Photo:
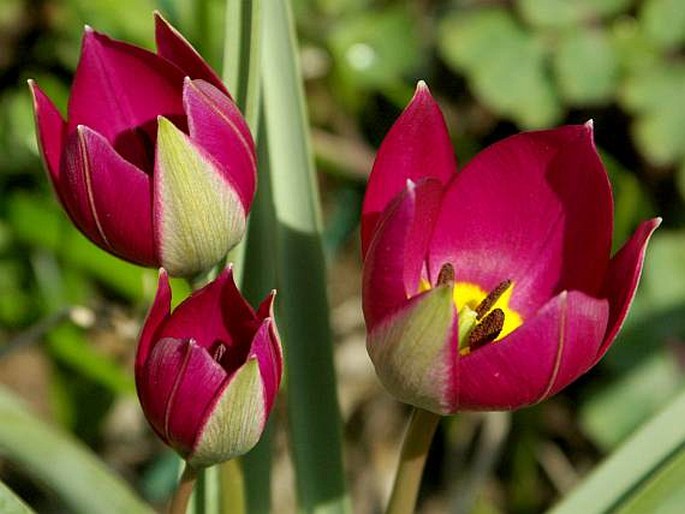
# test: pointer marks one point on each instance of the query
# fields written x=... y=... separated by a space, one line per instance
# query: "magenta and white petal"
x=216 y=124
x=534 y=208
x=622 y=279
x=545 y=354
x=394 y=263
x=118 y=87
x=125 y=225
x=417 y=146
x=175 y=48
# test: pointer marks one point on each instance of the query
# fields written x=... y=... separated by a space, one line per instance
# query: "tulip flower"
x=207 y=373
x=492 y=287
x=155 y=163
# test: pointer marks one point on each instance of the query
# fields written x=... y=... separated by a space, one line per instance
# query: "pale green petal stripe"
x=202 y=217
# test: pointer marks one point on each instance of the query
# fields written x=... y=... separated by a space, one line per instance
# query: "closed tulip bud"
x=207 y=374
x=154 y=164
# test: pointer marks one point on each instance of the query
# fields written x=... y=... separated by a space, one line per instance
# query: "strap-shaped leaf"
x=54 y=458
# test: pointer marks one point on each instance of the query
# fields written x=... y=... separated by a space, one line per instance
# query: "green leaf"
x=629 y=471
x=566 y=13
x=124 y=19
x=610 y=415
x=375 y=49
x=586 y=67
x=663 y=21
x=40 y=224
x=506 y=66
x=10 y=503
x=657 y=97
x=662 y=494
x=315 y=425
x=54 y=458
x=68 y=345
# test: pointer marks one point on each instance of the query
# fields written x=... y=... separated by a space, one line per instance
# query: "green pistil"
x=468 y=318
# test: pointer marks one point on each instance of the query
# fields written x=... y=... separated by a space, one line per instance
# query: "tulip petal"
x=394 y=263
x=183 y=383
x=119 y=87
x=236 y=420
x=266 y=348
x=535 y=208
x=417 y=146
x=156 y=316
x=225 y=316
x=622 y=278
x=215 y=124
x=51 y=137
x=198 y=215
x=174 y=47
x=108 y=179
x=545 y=354
x=414 y=349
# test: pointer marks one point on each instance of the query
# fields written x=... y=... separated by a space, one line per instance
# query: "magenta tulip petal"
x=266 y=311
x=109 y=178
x=119 y=87
x=622 y=278
x=269 y=359
x=158 y=314
x=545 y=354
x=186 y=379
x=216 y=304
x=174 y=47
x=77 y=190
x=417 y=146
x=51 y=136
x=394 y=261
x=522 y=210
x=215 y=124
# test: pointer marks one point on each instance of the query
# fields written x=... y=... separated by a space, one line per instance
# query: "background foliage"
x=69 y=314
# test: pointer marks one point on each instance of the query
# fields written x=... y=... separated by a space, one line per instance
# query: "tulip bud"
x=154 y=164
x=207 y=373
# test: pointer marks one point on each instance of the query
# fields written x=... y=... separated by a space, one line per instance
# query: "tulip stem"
x=417 y=441
x=179 y=503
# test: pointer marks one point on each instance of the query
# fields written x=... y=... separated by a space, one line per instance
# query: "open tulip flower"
x=207 y=374
x=493 y=287
x=155 y=163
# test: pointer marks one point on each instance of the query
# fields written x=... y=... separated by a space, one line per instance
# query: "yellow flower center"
x=483 y=317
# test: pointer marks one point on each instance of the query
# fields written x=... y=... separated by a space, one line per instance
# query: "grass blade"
x=623 y=475
x=313 y=411
x=79 y=478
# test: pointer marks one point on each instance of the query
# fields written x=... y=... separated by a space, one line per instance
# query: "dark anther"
x=218 y=351
x=487 y=330
x=446 y=275
x=491 y=299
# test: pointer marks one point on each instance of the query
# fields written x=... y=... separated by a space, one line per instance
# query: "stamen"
x=446 y=275
x=487 y=330
x=492 y=297
x=218 y=351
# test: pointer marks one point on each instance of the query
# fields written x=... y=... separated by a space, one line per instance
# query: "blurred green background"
x=69 y=314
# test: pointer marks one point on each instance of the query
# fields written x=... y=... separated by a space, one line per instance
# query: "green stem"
x=417 y=441
x=179 y=503
x=231 y=486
